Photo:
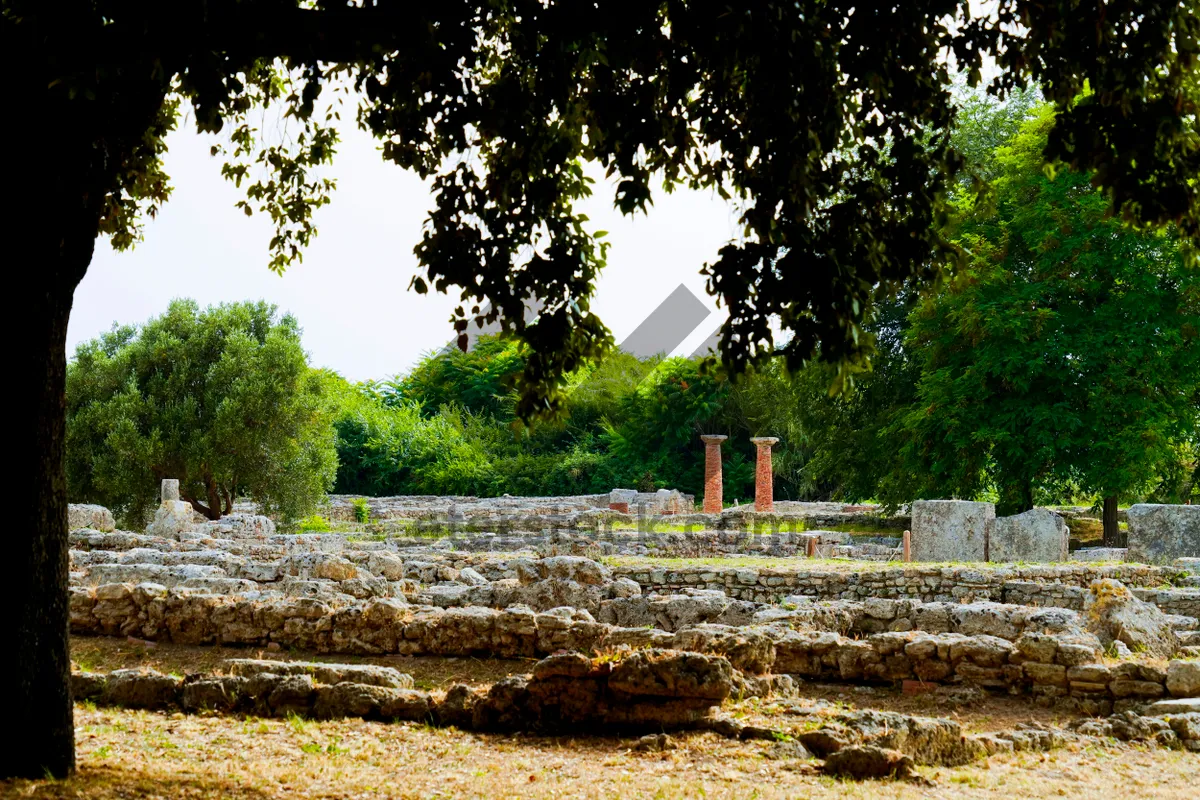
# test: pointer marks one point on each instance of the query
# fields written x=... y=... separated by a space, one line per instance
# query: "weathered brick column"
x=764 y=482
x=714 y=487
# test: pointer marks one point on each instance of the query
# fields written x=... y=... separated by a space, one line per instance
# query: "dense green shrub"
x=222 y=399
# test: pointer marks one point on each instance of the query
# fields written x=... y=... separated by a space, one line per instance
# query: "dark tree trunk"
x=43 y=740
x=211 y=511
x=75 y=132
x=1113 y=536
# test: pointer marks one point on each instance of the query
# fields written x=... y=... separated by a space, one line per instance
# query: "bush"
x=313 y=524
x=221 y=399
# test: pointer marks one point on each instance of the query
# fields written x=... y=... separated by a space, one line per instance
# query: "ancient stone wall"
x=1040 y=662
x=916 y=581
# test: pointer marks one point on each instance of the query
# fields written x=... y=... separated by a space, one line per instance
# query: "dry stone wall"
x=651 y=690
x=1049 y=585
x=1037 y=660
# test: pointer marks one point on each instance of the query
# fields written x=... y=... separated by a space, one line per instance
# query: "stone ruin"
x=960 y=530
x=643 y=644
x=1162 y=533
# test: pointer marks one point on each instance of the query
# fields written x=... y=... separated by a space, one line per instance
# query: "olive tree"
x=221 y=399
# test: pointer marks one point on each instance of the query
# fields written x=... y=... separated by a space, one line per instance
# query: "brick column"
x=714 y=488
x=764 y=482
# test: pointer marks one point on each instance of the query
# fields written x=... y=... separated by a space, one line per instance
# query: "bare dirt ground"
x=134 y=754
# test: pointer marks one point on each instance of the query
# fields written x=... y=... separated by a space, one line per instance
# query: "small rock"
x=867 y=762
x=472 y=577
x=1183 y=678
x=783 y=751
x=655 y=743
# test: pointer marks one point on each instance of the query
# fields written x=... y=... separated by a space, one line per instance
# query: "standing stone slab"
x=1159 y=534
x=950 y=530
x=1038 y=535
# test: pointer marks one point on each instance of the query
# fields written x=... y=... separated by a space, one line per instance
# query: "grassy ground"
x=139 y=755
x=124 y=754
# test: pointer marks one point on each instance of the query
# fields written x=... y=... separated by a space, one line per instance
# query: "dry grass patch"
x=129 y=754
x=988 y=713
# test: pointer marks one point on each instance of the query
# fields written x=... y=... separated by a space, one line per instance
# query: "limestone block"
x=170 y=490
x=97 y=518
x=1099 y=554
x=626 y=496
x=1038 y=535
x=1183 y=678
x=171 y=519
x=950 y=530
x=1112 y=613
x=1160 y=533
x=472 y=577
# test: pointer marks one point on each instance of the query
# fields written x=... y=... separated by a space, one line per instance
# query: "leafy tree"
x=1067 y=350
x=831 y=136
x=847 y=433
x=221 y=399
x=655 y=438
x=389 y=450
x=480 y=380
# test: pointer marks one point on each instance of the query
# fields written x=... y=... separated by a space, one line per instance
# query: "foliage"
x=850 y=450
x=221 y=399
x=313 y=523
x=480 y=380
x=362 y=510
x=1065 y=352
x=833 y=140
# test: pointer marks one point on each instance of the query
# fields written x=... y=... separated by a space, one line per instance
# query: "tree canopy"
x=1066 y=351
x=222 y=399
x=828 y=122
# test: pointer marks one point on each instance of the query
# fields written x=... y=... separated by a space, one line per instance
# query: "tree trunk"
x=212 y=512
x=43 y=741
x=68 y=154
x=1113 y=536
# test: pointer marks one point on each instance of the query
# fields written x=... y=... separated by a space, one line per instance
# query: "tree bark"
x=1113 y=535
x=43 y=741
x=67 y=154
x=212 y=512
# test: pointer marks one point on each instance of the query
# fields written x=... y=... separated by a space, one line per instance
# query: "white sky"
x=350 y=293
